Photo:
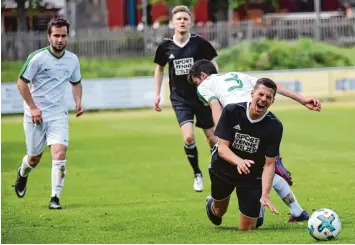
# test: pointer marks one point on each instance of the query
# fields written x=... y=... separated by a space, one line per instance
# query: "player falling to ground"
x=244 y=158
x=42 y=84
x=219 y=90
x=180 y=52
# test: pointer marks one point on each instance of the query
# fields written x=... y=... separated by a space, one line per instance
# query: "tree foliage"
x=33 y=6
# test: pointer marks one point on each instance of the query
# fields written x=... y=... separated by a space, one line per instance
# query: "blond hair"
x=181 y=8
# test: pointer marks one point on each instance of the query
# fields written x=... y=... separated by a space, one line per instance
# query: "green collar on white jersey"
x=58 y=57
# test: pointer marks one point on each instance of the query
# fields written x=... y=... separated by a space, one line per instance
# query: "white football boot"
x=198 y=183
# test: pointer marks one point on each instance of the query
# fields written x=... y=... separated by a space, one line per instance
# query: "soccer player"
x=244 y=158
x=42 y=83
x=219 y=90
x=180 y=52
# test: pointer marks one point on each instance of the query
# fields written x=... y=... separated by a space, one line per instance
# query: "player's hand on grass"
x=243 y=166
x=79 y=110
x=266 y=202
x=156 y=103
x=312 y=104
x=36 y=115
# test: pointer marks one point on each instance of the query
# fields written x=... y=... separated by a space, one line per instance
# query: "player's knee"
x=33 y=161
x=247 y=228
x=59 y=155
x=58 y=152
x=189 y=140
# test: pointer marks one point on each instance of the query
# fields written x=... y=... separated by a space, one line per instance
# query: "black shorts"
x=185 y=112
x=248 y=195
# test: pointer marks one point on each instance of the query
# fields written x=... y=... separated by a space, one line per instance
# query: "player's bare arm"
x=310 y=103
x=266 y=179
x=225 y=152
x=158 y=81
x=209 y=98
x=216 y=109
x=77 y=90
x=215 y=64
x=36 y=113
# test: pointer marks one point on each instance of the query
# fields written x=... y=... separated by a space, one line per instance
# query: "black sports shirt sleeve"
x=223 y=129
x=275 y=136
x=208 y=50
x=160 y=57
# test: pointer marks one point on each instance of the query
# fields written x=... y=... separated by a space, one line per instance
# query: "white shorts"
x=52 y=132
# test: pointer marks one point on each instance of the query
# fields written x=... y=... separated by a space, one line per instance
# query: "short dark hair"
x=267 y=82
x=57 y=22
x=200 y=66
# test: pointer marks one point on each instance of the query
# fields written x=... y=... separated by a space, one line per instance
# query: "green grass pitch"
x=128 y=181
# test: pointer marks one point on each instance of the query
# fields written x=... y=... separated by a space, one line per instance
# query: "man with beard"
x=42 y=83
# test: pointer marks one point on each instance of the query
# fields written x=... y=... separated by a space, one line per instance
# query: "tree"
x=18 y=45
x=21 y=15
x=33 y=6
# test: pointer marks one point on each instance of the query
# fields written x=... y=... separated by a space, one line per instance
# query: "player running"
x=180 y=52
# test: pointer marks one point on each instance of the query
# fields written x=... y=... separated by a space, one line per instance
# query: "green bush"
x=276 y=55
x=94 y=68
x=244 y=56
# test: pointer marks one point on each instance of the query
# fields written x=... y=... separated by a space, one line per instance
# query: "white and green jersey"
x=48 y=76
x=231 y=87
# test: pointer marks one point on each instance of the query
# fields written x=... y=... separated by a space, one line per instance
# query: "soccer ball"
x=324 y=224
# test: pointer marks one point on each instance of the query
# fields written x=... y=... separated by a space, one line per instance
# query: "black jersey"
x=249 y=139
x=180 y=60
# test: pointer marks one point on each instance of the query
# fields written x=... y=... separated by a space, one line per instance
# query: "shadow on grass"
x=287 y=226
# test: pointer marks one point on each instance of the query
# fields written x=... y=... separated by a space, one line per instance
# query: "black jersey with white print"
x=249 y=139
x=180 y=59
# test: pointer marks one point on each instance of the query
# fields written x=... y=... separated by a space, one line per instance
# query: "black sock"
x=192 y=155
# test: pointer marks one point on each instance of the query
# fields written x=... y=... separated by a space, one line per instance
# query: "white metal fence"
x=129 y=41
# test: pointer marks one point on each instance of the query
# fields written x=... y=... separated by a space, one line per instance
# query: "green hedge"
x=244 y=56
x=93 y=68
x=277 y=55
